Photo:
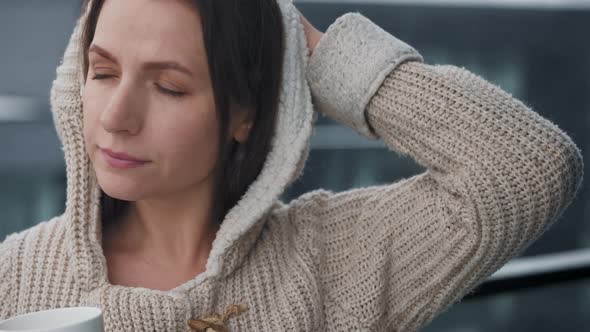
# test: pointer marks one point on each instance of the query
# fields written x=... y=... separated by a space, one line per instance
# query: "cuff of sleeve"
x=349 y=64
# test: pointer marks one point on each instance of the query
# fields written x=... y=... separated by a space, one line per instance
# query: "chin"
x=123 y=189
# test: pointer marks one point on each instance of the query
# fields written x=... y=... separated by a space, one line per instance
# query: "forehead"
x=151 y=30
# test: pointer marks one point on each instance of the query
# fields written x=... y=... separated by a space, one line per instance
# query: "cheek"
x=188 y=144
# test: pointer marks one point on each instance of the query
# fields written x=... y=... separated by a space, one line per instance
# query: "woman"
x=183 y=121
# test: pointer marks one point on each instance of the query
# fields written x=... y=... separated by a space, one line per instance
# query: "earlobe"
x=242 y=121
x=243 y=131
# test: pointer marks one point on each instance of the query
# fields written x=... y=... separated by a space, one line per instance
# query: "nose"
x=123 y=112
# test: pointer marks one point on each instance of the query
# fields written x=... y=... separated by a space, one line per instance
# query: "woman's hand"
x=312 y=34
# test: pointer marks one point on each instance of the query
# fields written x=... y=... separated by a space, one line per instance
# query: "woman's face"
x=148 y=94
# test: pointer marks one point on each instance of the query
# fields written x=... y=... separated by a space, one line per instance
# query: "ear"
x=242 y=122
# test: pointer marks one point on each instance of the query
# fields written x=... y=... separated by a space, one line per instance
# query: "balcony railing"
x=535 y=272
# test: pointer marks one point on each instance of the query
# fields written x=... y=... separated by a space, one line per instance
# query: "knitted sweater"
x=381 y=258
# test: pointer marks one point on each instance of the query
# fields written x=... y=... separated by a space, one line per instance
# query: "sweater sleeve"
x=8 y=277
x=393 y=256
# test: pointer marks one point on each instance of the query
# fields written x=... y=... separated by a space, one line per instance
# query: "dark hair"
x=245 y=49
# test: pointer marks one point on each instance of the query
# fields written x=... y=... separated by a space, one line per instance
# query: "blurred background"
x=538 y=50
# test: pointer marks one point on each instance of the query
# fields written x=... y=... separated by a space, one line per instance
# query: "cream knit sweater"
x=381 y=258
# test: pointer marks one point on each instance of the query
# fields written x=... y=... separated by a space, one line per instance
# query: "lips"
x=122 y=156
x=121 y=160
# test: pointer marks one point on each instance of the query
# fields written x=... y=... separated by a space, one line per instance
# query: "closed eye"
x=101 y=76
x=169 y=92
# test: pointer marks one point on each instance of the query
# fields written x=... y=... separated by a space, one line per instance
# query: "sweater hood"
x=242 y=224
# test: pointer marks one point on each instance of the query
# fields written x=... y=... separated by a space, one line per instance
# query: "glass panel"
x=555 y=308
x=26 y=199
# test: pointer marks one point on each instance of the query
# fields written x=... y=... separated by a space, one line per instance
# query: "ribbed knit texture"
x=381 y=258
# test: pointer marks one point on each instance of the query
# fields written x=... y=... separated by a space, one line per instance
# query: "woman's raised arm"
x=391 y=257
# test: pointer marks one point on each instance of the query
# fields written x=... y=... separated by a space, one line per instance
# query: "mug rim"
x=90 y=314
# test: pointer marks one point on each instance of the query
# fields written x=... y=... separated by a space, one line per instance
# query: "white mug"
x=76 y=319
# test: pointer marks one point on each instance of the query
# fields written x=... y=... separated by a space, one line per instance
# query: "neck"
x=173 y=230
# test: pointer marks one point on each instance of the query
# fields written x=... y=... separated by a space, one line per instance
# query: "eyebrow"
x=152 y=65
